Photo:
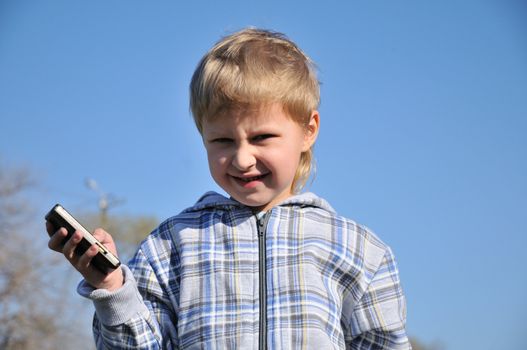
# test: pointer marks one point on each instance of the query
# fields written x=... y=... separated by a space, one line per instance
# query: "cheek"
x=284 y=158
x=217 y=161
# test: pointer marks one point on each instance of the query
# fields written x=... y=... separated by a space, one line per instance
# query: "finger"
x=106 y=239
x=56 y=239
x=100 y=234
x=69 y=248
x=84 y=261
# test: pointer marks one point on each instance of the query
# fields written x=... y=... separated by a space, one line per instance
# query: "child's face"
x=253 y=155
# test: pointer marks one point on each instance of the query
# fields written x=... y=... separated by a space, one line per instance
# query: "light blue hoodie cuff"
x=117 y=307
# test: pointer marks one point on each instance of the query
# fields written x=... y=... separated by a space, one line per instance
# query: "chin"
x=251 y=202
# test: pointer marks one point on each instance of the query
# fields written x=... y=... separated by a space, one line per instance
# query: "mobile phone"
x=104 y=261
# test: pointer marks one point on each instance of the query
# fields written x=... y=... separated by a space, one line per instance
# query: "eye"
x=221 y=140
x=262 y=137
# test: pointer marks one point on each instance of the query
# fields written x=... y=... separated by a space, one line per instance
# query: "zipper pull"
x=261 y=222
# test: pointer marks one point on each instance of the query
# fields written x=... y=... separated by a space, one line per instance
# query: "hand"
x=112 y=281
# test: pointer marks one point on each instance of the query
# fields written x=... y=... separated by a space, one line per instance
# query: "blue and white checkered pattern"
x=331 y=283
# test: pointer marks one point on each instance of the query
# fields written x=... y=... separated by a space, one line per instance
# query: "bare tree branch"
x=30 y=303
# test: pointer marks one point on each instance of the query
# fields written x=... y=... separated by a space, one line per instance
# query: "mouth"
x=249 y=182
x=250 y=179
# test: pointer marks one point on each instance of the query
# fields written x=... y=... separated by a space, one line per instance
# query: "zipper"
x=262 y=272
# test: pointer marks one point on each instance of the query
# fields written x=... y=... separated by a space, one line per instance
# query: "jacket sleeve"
x=378 y=318
x=137 y=316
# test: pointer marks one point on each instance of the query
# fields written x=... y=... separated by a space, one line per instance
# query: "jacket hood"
x=215 y=200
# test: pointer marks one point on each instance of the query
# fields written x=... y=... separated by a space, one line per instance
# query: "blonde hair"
x=253 y=68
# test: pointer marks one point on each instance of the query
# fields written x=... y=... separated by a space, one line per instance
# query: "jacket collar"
x=213 y=199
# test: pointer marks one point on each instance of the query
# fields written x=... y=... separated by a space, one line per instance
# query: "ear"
x=311 y=131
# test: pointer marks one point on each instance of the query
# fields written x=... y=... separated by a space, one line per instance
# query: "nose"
x=243 y=158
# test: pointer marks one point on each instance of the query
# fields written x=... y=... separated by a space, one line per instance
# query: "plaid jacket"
x=217 y=276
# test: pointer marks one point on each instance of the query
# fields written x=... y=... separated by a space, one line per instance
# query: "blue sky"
x=423 y=129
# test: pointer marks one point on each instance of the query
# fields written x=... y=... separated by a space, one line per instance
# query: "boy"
x=267 y=268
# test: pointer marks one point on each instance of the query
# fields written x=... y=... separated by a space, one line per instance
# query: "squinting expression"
x=254 y=155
